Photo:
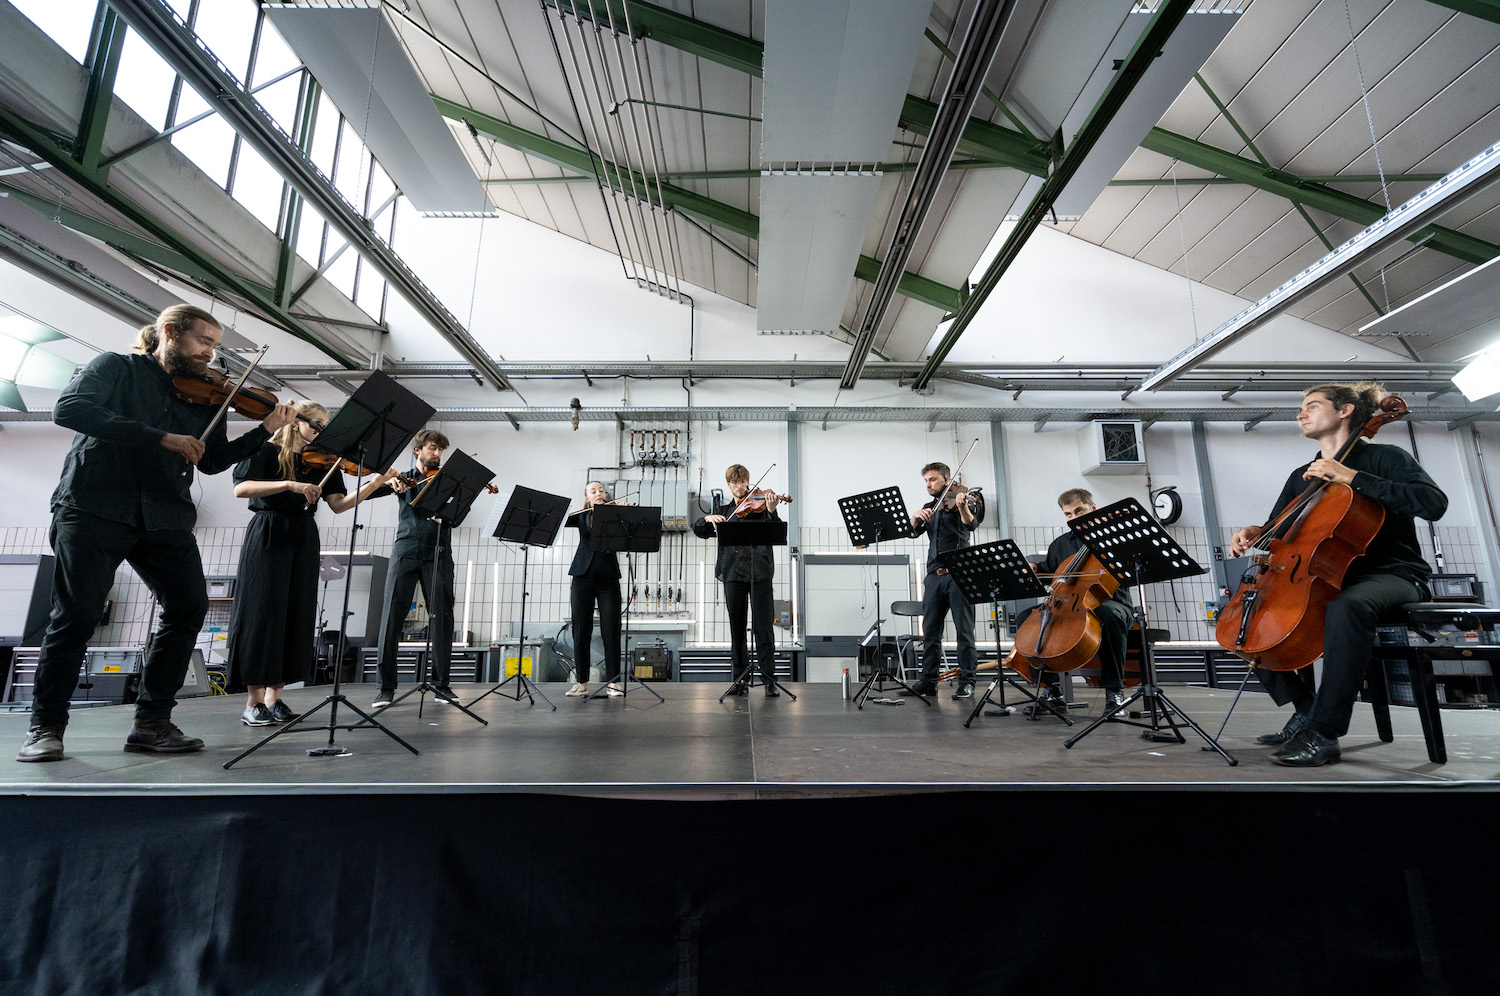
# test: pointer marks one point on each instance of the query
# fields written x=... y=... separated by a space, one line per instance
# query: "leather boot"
x=160 y=736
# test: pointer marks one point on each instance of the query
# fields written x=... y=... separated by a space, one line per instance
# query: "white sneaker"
x=579 y=690
x=613 y=690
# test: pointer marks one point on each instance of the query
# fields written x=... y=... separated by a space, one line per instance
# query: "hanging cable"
x=1182 y=239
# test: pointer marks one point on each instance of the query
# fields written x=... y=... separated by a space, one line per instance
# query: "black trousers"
x=89 y=550
x=1115 y=619
x=605 y=593
x=401 y=582
x=754 y=601
x=940 y=597
x=1348 y=638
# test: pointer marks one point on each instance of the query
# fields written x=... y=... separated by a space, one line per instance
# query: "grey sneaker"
x=1115 y=697
x=43 y=743
x=257 y=715
x=383 y=699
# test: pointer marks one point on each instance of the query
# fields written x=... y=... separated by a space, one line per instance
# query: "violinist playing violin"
x=595 y=581
x=1389 y=574
x=275 y=605
x=126 y=496
x=747 y=572
x=410 y=564
x=948 y=527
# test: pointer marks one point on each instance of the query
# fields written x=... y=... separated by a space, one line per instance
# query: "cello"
x=1063 y=633
x=1275 y=619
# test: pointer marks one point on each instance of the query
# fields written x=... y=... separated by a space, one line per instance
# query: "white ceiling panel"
x=836 y=73
x=810 y=232
x=360 y=62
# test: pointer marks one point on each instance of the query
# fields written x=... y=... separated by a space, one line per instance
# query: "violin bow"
x=957 y=471
x=224 y=406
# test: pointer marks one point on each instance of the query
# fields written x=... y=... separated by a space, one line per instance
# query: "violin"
x=313 y=460
x=951 y=502
x=420 y=477
x=214 y=388
x=1275 y=619
x=756 y=501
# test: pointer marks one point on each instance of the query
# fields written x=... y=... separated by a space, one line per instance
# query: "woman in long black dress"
x=596 y=581
x=271 y=630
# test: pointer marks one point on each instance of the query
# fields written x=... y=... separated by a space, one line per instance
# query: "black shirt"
x=1061 y=550
x=946 y=531
x=121 y=407
x=739 y=563
x=265 y=465
x=1391 y=476
x=588 y=562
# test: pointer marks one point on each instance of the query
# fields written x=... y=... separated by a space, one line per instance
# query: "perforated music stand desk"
x=531 y=518
x=372 y=428
x=1134 y=547
x=446 y=498
x=625 y=529
x=995 y=572
x=755 y=532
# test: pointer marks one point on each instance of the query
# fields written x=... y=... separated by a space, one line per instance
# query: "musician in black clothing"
x=1391 y=573
x=411 y=563
x=1115 y=616
x=126 y=496
x=947 y=529
x=596 y=581
x=747 y=573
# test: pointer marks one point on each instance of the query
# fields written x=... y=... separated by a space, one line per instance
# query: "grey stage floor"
x=744 y=747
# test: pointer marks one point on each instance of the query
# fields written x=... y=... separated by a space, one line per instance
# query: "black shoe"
x=282 y=713
x=43 y=743
x=383 y=699
x=444 y=695
x=1293 y=726
x=1307 y=749
x=738 y=689
x=257 y=715
x=1115 y=697
x=965 y=690
x=920 y=688
x=771 y=692
x=160 y=736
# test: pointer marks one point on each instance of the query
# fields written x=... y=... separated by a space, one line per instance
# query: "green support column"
x=101 y=92
x=286 y=258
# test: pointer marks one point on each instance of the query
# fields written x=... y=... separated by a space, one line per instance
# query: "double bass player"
x=1390 y=573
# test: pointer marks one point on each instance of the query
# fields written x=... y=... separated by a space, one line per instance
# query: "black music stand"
x=445 y=498
x=531 y=518
x=373 y=428
x=996 y=572
x=626 y=529
x=754 y=532
x=1134 y=547
x=871 y=518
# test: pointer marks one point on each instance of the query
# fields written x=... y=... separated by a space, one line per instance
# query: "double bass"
x=1275 y=619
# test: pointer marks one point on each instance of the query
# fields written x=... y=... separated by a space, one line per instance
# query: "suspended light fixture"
x=23 y=361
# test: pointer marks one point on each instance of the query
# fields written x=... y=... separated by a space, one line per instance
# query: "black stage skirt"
x=272 y=627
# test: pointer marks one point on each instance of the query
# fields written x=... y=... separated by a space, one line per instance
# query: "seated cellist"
x=1114 y=615
x=1389 y=574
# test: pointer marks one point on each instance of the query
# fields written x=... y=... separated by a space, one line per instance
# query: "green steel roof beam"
x=1313 y=195
x=1163 y=22
x=981 y=139
x=1302 y=211
x=734 y=219
x=675 y=30
x=101 y=90
x=286 y=255
x=1485 y=10
x=42 y=144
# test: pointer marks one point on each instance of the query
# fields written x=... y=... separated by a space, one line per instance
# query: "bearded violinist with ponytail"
x=275 y=607
x=126 y=496
x=1392 y=571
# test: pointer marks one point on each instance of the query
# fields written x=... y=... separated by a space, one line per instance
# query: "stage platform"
x=754 y=846
x=693 y=746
